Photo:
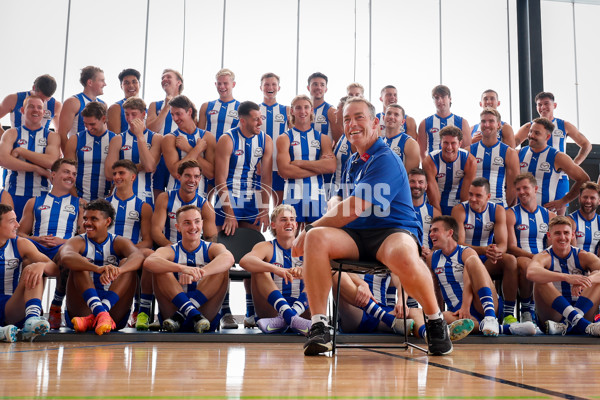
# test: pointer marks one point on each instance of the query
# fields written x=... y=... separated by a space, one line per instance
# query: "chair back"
x=240 y=243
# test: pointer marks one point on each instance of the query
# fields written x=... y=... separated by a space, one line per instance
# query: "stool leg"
x=336 y=307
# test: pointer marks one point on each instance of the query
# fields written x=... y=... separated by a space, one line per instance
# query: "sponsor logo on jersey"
x=545 y=167
x=439 y=270
x=106 y=149
x=278 y=265
x=69 y=208
x=459 y=173
x=434 y=130
x=558 y=133
x=112 y=260
x=134 y=215
x=47 y=114
x=171 y=215
x=597 y=235
x=479 y=160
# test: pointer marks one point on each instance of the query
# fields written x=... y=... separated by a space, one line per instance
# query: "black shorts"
x=368 y=241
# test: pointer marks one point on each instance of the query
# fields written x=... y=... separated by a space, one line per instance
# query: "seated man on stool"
x=277 y=285
x=375 y=221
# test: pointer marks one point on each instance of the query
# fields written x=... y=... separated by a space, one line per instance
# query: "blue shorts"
x=278 y=182
x=308 y=210
x=49 y=252
x=19 y=202
x=245 y=209
x=160 y=177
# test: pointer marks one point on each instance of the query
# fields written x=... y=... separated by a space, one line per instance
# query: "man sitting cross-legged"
x=190 y=277
x=277 y=285
x=465 y=284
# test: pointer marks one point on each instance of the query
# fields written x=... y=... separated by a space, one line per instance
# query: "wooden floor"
x=146 y=370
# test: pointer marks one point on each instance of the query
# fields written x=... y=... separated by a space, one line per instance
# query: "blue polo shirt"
x=379 y=177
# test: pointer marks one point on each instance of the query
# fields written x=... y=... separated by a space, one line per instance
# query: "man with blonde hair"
x=355 y=89
x=219 y=116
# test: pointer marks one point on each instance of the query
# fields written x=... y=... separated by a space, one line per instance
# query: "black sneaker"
x=319 y=340
x=438 y=337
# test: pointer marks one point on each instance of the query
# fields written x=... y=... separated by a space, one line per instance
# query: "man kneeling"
x=190 y=277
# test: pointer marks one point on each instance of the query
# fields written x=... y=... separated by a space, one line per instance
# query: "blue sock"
x=508 y=308
x=583 y=304
x=279 y=303
x=575 y=319
x=185 y=306
x=249 y=305
x=505 y=330
x=93 y=301
x=110 y=299
x=146 y=301
x=301 y=303
x=527 y=304
x=58 y=298
x=422 y=331
x=376 y=311
x=487 y=301
x=33 y=308
x=225 y=306
x=198 y=298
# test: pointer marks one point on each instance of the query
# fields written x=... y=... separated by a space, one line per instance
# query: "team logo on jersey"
x=397 y=151
x=524 y=164
x=579 y=234
x=13 y=263
x=278 y=265
x=428 y=219
x=134 y=215
x=21 y=142
x=232 y=114
x=69 y=208
x=440 y=175
x=298 y=263
x=469 y=226
x=488 y=226
x=279 y=118
x=460 y=173
x=42 y=142
x=106 y=149
x=320 y=119
x=171 y=215
x=498 y=161
x=522 y=227
x=295 y=143
x=258 y=152
x=543 y=228
x=112 y=260
x=239 y=152
x=558 y=133
x=213 y=112
x=316 y=144
x=597 y=235
x=47 y=114
x=86 y=149
x=545 y=167
x=125 y=147
x=43 y=207
x=344 y=148
x=148 y=145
